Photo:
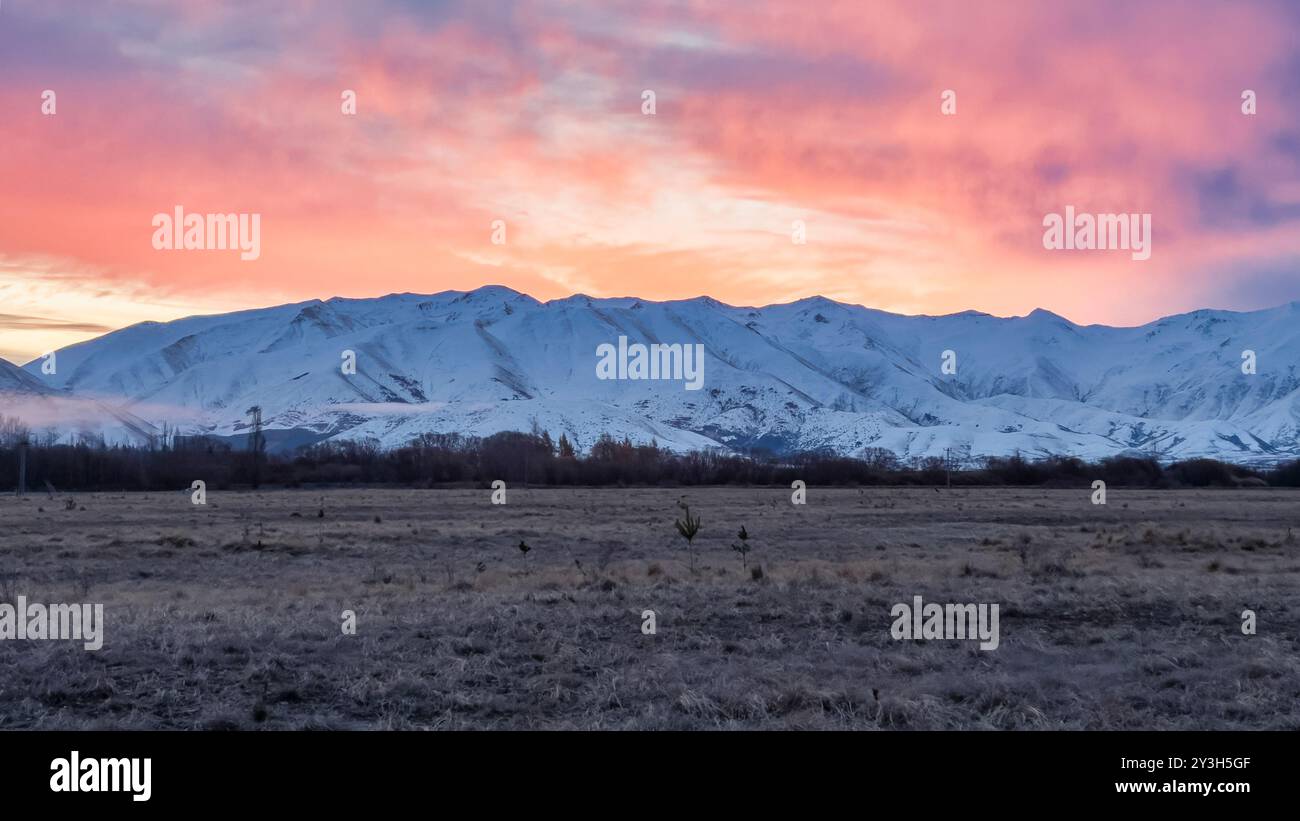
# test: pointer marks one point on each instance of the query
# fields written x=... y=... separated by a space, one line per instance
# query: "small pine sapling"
x=688 y=527
x=742 y=548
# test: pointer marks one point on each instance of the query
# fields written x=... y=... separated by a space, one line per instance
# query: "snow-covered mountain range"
x=812 y=374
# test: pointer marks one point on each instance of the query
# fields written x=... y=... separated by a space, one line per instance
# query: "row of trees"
x=534 y=459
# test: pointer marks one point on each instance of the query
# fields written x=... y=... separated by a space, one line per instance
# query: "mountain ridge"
x=811 y=374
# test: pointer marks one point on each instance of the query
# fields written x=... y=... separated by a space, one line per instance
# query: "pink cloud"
x=767 y=112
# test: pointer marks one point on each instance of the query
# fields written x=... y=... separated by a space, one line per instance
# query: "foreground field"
x=1126 y=615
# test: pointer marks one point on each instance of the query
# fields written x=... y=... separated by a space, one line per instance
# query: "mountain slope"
x=51 y=413
x=805 y=375
x=14 y=381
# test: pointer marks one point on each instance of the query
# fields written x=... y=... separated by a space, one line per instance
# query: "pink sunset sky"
x=530 y=112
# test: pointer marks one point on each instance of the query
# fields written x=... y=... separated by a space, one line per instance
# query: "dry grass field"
x=1120 y=616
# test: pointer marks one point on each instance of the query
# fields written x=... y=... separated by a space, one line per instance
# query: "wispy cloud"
x=17 y=322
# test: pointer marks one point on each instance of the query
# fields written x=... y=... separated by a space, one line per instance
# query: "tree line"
x=518 y=458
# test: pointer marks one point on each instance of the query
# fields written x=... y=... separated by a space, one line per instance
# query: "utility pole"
x=255 y=443
x=22 y=465
x=947 y=463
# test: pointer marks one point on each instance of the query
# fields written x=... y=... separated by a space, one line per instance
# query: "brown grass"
x=228 y=616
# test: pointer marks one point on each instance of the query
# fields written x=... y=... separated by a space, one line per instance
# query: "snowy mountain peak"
x=810 y=374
